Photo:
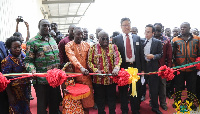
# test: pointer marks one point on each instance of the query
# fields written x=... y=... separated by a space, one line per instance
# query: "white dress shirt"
x=131 y=60
x=147 y=48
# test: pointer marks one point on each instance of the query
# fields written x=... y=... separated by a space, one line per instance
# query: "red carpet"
x=144 y=107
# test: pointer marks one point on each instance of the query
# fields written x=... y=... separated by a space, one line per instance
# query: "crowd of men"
x=50 y=49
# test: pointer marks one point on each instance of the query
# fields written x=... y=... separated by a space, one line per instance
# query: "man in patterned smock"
x=77 y=52
x=104 y=58
x=41 y=56
x=185 y=50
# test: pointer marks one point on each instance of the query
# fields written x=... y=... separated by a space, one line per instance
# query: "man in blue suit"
x=3 y=95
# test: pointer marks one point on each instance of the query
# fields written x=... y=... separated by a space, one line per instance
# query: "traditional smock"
x=78 y=54
x=104 y=60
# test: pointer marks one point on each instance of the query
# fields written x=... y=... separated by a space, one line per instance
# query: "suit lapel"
x=134 y=44
x=152 y=45
x=3 y=51
x=122 y=43
x=121 y=47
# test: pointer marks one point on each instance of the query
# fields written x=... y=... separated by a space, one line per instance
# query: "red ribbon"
x=122 y=78
x=55 y=77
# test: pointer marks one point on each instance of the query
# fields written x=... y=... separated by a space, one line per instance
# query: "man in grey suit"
x=153 y=52
x=131 y=50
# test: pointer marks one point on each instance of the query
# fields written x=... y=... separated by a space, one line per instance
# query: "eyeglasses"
x=126 y=25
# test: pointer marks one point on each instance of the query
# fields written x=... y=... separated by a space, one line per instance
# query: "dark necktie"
x=128 y=47
x=146 y=43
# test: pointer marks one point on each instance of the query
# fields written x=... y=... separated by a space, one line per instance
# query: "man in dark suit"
x=132 y=55
x=3 y=95
x=3 y=52
x=153 y=52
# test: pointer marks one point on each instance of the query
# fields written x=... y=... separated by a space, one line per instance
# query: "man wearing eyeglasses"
x=132 y=54
x=104 y=58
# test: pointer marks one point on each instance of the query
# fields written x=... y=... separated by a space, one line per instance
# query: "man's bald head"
x=71 y=27
x=185 y=28
x=176 y=31
x=134 y=30
x=77 y=29
x=168 y=32
x=78 y=35
x=102 y=33
x=44 y=27
x=103 y=39
x=186 y=23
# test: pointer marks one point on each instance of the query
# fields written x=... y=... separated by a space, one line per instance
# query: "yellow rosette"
x=133 y=79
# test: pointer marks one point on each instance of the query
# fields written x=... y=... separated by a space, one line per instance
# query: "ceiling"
x=66 y=12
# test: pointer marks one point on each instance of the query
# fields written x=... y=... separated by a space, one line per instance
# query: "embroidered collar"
x=41 y=38
x=17 y=60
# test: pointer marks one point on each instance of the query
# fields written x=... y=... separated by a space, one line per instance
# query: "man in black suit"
x=4 y=108
x=153 y=52
x=132 y=55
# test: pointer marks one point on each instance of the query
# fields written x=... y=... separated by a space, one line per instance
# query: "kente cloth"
x=19 y=88
x=41 y=56
x=78 y=54
x=104 y=60
x=71 y=106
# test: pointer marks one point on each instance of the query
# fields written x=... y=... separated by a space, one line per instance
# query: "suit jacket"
x=138 y=51
x=3 y=49
x=157 y=51
x=3 y=54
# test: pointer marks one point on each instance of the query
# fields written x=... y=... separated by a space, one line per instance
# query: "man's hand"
x=27 y=25
x=115 y=71
x=142 y=78
x=142 y=72
x=66 y=91
x=84 y=71
x=150 y=56
x=33 y=71
x=198 y=73
x=99 y=72
x=17 y=20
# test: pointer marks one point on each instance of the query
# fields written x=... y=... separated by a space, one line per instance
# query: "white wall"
x=11 y=9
